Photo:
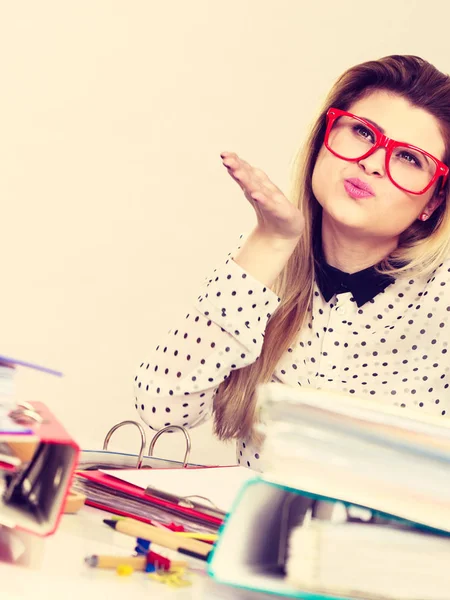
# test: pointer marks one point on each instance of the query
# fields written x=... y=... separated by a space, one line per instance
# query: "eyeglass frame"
x=382 y=141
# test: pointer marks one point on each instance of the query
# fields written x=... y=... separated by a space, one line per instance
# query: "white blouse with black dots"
x=393 y=348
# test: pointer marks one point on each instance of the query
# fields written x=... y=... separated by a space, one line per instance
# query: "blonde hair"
x=421 y=248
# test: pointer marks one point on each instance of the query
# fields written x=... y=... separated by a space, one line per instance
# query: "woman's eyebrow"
x=373 y=123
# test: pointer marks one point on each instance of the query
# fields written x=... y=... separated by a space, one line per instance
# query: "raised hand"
x=276 y=216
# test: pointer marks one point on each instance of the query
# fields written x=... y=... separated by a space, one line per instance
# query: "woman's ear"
x=434 y=203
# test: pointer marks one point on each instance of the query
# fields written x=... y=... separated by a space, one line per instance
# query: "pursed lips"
x=357 y=188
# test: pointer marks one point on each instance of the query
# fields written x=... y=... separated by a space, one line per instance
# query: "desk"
x=53 y=568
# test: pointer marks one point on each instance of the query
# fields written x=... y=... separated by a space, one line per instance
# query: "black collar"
x=363 y=285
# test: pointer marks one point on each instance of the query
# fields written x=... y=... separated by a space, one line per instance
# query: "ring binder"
x=155 y=438
x=186 y=437
x=25 y=413
x=33 y=495
x=143 y=439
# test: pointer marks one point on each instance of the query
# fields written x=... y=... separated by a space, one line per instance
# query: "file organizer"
x=321 y=448
x=251 y=550
x=109 y=493
x=252 y=547
x=34 y=493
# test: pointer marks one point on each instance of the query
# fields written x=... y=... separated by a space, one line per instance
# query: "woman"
x=346 y=286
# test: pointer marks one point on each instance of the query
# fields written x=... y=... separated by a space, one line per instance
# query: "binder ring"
x=26 y=415
x=143 y=439
x=186 y=437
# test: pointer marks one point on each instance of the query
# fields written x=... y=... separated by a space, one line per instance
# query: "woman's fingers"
x=249 y=178
x=274 y=211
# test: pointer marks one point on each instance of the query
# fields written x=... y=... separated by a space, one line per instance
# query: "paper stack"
x=368 y=561
x=354 y=502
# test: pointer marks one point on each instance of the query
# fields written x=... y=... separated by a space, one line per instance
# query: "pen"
x=167 y=539
x=138 y=563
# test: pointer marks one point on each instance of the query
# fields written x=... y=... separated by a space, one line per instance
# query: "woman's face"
x=390 y=210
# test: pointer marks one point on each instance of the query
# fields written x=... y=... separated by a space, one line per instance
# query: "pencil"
x=137 y=562
x=167 y=539
x=205 y=537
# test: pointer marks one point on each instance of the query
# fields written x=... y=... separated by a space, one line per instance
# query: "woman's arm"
x=222 y=331
x=225 y=328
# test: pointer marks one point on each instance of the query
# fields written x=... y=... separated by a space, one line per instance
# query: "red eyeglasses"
x=409 y=168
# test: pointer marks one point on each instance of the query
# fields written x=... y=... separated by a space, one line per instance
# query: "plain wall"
x=115 y=204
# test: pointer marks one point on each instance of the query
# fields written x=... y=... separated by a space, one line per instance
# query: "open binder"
x=98 y=459
x=95 y=478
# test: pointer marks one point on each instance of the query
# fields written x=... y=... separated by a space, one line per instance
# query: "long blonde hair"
x=421 y=248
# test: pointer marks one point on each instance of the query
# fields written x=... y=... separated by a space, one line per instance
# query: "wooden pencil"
x=137 y=562
x=165 y=538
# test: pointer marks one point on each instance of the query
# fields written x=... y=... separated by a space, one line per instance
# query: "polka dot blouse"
x=392 y=348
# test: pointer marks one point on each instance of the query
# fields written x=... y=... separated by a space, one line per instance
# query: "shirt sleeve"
x=221 y=332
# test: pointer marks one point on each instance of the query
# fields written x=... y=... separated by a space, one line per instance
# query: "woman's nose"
x=374 y=164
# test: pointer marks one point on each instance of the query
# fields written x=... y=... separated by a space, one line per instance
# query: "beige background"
x=114 y=201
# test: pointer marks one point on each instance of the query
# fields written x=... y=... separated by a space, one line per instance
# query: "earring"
x=423 y=216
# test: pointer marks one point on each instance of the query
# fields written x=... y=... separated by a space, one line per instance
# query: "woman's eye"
x=365 y=133
x=410 y=158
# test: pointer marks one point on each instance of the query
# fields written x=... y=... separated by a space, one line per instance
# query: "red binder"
x=35 y=493
x=113 y=488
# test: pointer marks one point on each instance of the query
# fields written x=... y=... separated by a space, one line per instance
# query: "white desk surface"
x=53 y=568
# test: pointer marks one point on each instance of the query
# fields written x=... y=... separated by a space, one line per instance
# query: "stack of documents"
x=354 y=502
x=197 y=498
x=368 y=560
x=383 y=457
